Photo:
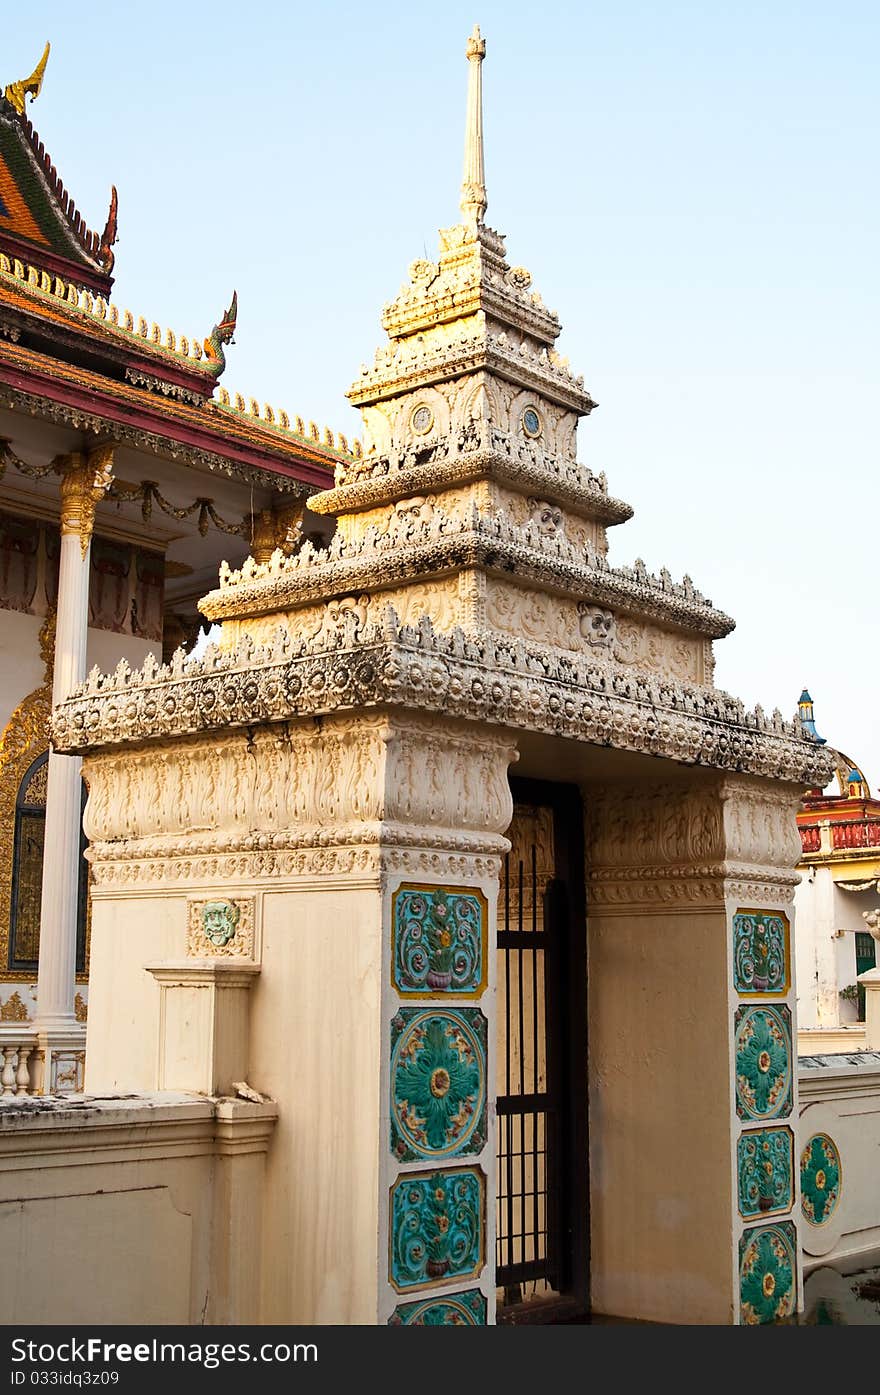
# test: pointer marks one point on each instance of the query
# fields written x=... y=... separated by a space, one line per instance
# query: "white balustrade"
x=17 y=1049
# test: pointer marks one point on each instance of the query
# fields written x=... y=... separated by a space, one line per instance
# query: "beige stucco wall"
x=660 y=1116
x=105 y=1213
x=315 y=1044
x=841 y=1098
x=122 y=1041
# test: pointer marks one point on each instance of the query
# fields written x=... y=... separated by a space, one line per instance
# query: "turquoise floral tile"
x=761 y=953
x=821 y=1178
x=765 y=1165
x=439 y=939
x=437 y=1227
x=768 y=1273
x=454 y=1310
x=763 y=1061
x=438 y=1083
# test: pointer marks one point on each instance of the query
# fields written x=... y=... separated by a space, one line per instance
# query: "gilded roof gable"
x=37 y=215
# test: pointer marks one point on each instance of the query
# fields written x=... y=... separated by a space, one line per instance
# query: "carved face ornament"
x=219 y=921
x=547 y=517
x=597 y=626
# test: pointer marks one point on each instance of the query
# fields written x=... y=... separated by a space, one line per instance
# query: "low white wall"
x=840 y=1097
x=123 y=1210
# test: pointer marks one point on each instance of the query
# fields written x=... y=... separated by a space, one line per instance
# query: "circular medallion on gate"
x=763 y=1062
x=438 y=1083
x=767 y=1274
x=820 y=1178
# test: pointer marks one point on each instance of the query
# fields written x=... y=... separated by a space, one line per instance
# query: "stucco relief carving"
x=660 y=844
x=547 y=517
x=598 y=628
x=472 y=450
x=370 y=862
x=423 y=539
x=299 y=784
x=646 y=826
x=483 y=678
x=681 y=656
x=532 y=614
x=221 y=927
x=759 y=824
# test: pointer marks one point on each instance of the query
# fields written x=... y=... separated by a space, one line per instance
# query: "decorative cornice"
x=367 y=862
x=404 y=365
x=98 y=315
x=85 y=408
x=169 y=365
x=438 y=544
x=482 y=679
x=480 y=452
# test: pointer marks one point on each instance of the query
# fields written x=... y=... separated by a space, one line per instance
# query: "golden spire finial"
x=473 y=184
x=15 y=92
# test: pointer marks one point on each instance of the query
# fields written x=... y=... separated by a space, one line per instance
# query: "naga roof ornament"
x=38 y=219
x=16 y=91
x=221 y=334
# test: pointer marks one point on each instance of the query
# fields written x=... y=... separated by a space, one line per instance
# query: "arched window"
x=27 y=873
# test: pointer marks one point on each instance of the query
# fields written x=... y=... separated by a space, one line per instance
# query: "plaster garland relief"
x=349 y=780
x=320 y=866
x=665 y=844
x=484 y=678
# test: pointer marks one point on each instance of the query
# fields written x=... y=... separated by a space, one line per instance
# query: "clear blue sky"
x=692 y=185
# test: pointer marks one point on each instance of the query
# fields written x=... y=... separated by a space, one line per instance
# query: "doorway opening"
x=542 y=1206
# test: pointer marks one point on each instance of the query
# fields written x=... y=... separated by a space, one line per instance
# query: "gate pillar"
x=693 y=1080
x=348 y=866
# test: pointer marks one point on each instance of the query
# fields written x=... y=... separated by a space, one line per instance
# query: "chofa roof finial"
x=473 y=184
x=15 y=91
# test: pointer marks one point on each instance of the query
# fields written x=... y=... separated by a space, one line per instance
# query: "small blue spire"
x=805 y=712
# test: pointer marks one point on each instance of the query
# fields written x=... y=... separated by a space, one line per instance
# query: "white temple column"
x=84 y=480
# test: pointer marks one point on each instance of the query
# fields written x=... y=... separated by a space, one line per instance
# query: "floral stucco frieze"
x=477 y=451
x=435 y=542
x=478 y=678
x=404 y=364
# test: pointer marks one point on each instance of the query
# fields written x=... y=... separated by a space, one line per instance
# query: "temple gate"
x=308 y=874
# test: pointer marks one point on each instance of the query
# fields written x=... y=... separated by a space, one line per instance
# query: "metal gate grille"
x=527 y=1107
x=542 y=1212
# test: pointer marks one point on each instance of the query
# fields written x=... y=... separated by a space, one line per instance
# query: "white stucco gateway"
x=303 y=876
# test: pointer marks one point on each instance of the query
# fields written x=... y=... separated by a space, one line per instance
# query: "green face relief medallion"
x=219 y=921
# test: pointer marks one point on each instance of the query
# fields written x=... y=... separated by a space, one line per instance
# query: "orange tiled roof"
x=158 y=377
x=37 y=214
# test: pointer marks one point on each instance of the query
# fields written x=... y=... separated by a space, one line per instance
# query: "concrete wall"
x=840 y=1098
x=131 y=1211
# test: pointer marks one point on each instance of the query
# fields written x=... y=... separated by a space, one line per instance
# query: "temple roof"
x=69 y=354
x=38 y=218
x=69 y=357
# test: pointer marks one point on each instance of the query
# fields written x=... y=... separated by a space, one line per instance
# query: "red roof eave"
x=48 y=260
x=157 y=424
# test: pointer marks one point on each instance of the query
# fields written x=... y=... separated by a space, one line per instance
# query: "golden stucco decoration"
x=16 y=91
